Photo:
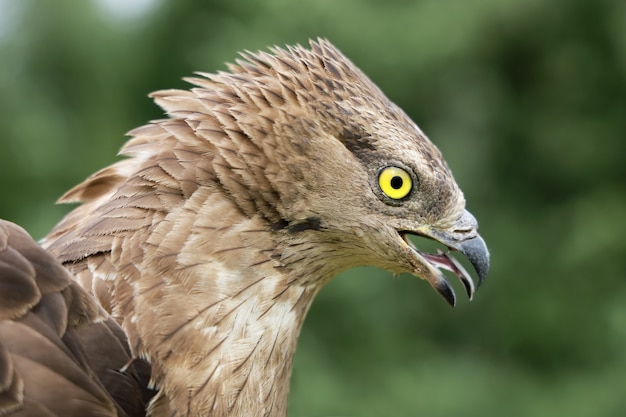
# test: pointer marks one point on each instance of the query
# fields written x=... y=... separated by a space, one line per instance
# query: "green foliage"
x=526 y=99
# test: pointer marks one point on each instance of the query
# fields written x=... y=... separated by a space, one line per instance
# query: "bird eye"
x=395 y=182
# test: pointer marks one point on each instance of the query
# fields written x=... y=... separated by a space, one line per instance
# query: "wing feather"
x=57 y=343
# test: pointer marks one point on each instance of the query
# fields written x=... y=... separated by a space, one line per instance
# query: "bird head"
x=341 y=175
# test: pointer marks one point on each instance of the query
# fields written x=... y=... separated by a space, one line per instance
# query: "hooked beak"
x=462 y=237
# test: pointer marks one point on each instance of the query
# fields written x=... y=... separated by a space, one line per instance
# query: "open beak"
x=462 y=237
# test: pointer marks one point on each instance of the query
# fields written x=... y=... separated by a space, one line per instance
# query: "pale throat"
x=228 y=348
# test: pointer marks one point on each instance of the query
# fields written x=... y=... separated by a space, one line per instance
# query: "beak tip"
x=475 y=250
x=445 y=290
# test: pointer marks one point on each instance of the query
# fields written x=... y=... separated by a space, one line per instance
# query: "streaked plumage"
x=208 y=244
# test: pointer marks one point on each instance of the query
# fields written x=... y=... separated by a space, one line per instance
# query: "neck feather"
x=230 y=357
x=218 y=316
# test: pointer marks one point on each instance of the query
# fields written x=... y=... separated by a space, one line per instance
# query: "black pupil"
x=396 y=183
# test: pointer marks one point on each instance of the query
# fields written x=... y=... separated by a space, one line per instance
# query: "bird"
x=179 y=285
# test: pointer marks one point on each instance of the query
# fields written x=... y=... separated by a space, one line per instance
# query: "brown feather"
x=208 y=244
x=46 y=358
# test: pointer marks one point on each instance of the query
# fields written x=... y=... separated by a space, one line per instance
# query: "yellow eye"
x=395 y=182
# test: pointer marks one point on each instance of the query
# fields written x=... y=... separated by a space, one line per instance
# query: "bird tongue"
x=443 y=260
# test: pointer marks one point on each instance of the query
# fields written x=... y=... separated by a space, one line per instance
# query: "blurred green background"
x=526 y=99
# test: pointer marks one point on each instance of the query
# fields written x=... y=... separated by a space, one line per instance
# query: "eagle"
x=179 y=285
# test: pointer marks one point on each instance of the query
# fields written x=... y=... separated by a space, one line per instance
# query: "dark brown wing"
x=60 y=354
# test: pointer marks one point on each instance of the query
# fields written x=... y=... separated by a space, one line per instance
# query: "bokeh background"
x=526 y=99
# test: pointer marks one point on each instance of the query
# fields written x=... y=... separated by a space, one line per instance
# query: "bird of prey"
x=179 y=286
